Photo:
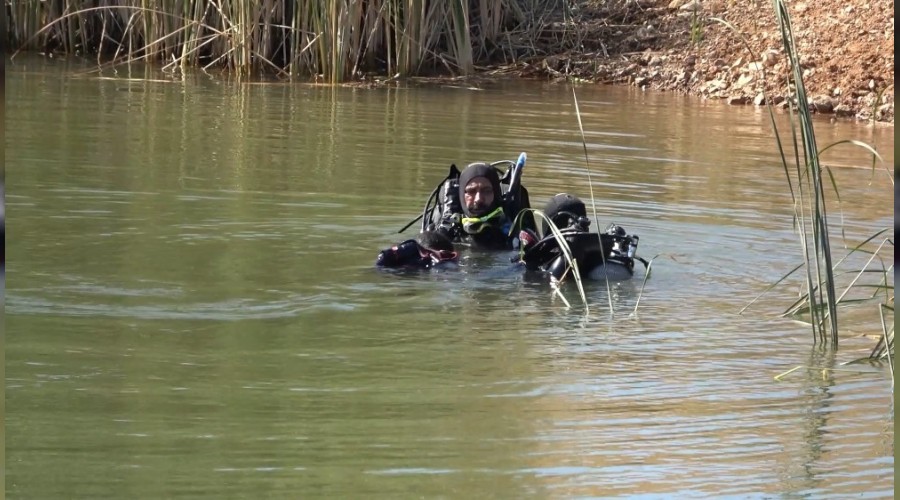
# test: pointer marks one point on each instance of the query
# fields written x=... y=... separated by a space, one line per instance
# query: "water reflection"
x=192 y=296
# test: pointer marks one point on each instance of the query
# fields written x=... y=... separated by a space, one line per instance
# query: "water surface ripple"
x=193 y=311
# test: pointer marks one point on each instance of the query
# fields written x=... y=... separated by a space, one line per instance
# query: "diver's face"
x=479 y=196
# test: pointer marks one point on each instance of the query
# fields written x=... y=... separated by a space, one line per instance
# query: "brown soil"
x=846 y=50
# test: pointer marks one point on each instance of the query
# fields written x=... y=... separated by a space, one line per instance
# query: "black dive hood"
x=480 y=170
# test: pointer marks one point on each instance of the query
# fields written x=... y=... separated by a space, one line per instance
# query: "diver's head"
x=565 y=210
x=479 y=189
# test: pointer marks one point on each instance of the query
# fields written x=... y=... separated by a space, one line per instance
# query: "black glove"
x=406 y=254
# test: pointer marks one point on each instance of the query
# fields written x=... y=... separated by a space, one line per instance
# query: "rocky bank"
x=846 y=50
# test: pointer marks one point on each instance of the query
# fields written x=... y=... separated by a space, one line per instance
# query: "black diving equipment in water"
x=612 y=248
x=429 y=250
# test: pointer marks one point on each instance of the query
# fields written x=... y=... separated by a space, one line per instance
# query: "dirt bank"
x=845 y=46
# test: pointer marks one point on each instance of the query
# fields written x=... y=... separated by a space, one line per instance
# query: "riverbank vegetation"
x=334 y=40
x=666 y=45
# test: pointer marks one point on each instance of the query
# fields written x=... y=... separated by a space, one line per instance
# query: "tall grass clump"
x=331 y=40
x=807 y=180
x=808 y=193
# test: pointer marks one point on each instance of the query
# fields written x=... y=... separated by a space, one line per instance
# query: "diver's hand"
x=407 y=253
x=527 y=239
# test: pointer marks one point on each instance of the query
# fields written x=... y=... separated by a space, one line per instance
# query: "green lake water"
x=192 y=311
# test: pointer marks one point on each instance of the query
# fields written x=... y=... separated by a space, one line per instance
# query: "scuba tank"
x=442 y=208
x=447 y=217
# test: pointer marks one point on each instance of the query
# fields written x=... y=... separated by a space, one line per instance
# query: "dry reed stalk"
x=332 y=39
x=460 y=36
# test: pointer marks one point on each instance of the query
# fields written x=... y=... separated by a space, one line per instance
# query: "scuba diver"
x=478 y=206
x=599 y=255
x=428 y=250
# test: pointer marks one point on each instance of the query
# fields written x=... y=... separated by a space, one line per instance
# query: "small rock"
x=645 y=32
x=674 y=4
x=770 y=58
x=716 y=6
x=754 y=67
x=738 y=100
x=822 y=104
x=715 y=85
x=690 y=60
x=693 y=5
x=744 y=80
x=843 y=110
